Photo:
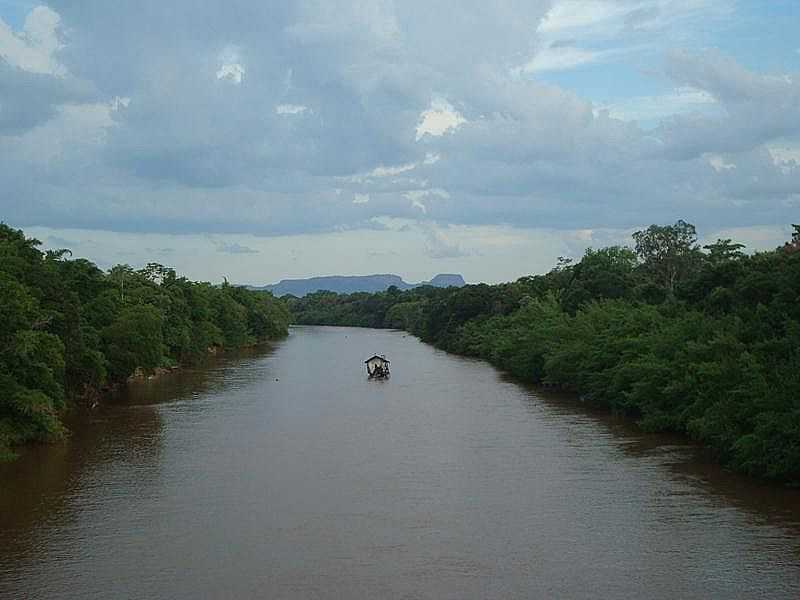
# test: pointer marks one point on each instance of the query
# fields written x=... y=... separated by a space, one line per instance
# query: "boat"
x=377 y=367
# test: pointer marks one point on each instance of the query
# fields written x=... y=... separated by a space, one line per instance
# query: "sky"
x=261 y=140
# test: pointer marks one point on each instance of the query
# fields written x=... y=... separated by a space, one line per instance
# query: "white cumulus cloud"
x=34 y=49
x=440 y=118
x=231 y=72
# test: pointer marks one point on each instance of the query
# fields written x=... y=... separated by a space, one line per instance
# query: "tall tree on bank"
x=668 y=251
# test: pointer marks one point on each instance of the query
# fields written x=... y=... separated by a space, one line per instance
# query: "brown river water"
x=285 y=473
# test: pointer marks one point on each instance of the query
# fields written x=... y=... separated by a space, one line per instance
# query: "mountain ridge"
x=348 y=284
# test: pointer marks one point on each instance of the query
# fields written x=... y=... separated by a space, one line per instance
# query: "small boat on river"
x=377 y=367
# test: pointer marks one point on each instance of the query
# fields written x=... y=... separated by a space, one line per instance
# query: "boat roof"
x=378 y=356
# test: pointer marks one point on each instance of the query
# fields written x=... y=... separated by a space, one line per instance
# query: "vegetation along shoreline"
x=701 y=341
x=70 y=332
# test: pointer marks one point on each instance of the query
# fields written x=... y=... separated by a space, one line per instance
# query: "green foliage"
x=405 y=315
x=134 y=340
x=31 y=369
x=67 y=329
x=604 y=273
x=668 y=252
x=703 y=343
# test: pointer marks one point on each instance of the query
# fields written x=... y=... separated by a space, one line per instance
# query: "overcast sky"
x=259 y=140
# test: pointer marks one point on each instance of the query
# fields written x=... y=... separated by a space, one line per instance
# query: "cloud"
x=54 y=241
x=231 y=68
x=437 y=120
x=417 y=196
x=560 y=58
x=718 y=163
x=33 y=83
x=161 y=251
x=382 y=171
x=290 y=109
x=629 y=33
x=723 y=77
x=568 y=15
x=742 y=94
x=233 y=72
x=607 y=18
x=360 y=198
x=438 y=245
x=29 y=99
x=754 y=237
x=34 y=49
x=416 y=202
x=234 y=248
x=655 y=108
x=245 y=118
x=643 y=18
x=785 y=156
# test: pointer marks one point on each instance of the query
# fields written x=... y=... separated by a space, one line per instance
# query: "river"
x=285 y=473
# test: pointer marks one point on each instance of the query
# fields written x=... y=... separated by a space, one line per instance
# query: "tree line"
x=703 y=341
x=69 y=330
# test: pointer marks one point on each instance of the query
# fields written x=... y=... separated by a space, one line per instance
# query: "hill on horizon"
x=348 y=284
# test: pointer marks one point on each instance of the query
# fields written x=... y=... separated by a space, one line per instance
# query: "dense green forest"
x=702 y=341
x=69 y=331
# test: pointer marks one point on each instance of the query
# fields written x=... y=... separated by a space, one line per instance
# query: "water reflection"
x=687 y=463
x=215 y=374
x=37 y=484
x=118 y=444
x=54 y=485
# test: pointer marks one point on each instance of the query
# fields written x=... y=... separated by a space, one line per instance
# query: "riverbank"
x=709 y=352
x=570 y=358
x=70 y=330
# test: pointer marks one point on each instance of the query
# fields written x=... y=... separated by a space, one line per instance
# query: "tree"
x=133 y=340
x=724 y=250
x=793 y=246
x=604 y=273
x=668 y=251
x=31 y=370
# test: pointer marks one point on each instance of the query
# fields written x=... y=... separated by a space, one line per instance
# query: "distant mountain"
x=344 y=284
x=445 y=280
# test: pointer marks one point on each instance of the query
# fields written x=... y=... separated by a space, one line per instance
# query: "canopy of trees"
x=69 y=330
x=702 y=341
